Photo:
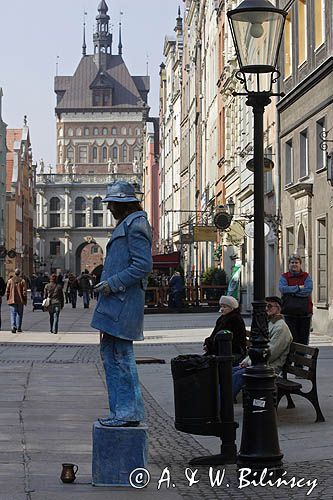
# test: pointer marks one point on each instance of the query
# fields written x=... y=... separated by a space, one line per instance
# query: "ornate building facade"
x=101 y=113
x=305 y=137
x=20 y=201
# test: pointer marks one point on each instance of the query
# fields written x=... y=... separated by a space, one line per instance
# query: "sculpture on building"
x=41 y=166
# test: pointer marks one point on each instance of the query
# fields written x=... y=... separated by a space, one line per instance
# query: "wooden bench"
x=302 y=362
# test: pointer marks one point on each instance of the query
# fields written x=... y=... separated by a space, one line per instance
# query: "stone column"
x=40 y=218
x=67 y=251
x=66 y=219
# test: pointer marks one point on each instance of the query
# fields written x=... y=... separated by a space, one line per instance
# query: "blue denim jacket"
x=127 y=264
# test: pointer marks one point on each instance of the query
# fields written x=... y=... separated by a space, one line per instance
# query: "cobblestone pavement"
x=173 y=449
x=170 y=450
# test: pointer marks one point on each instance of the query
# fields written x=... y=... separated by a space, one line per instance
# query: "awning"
x=165 y=260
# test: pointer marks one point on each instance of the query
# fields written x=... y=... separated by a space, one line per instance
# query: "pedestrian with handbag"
x=296 y=287
x=16 y=293
x=53 y=302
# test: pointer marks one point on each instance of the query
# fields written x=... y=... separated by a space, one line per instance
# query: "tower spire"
x=102 y=37
x=120 y=45
x=84 y=45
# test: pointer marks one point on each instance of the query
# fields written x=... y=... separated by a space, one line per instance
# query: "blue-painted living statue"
x=119 y=310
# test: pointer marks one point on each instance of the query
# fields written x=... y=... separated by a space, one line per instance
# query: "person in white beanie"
x=231 y=320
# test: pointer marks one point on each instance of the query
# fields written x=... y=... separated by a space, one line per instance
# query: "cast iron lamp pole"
x=257 y=28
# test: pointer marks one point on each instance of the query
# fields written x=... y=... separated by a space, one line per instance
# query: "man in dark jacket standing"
x=296 y=288
x=85 y=285
x=120 y=307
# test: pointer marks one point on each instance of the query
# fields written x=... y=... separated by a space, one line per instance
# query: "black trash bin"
x=196 y=392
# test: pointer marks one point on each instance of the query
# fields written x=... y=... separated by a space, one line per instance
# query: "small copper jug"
x=68 y=473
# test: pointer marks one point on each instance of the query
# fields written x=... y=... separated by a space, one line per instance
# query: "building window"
x=123 y=131
x=97 y=212
x=54 y=248
x=290 y=241
x=70 y=132
x=125 y=157
x=86 y=131
x=105 y=131
x=288 y=46
x=95 y=131
x=136 y=153
x=78 y=132
x=115 y=153
x=137 y=131
x=102 y=97
x=70 y=154
x=54 y=212
x=289 y=156
x=302 y=32
x=321 y=155
x=319 y=20
x=80 y=212
x=95 y=154
x=322 y=261
x=113 y=131
x=105 y=153
x=304 y=154
x=83 y=154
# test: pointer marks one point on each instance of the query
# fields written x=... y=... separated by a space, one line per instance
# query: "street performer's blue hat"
x=120 y=191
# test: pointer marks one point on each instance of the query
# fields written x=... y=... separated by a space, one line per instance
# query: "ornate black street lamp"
x=257 y=28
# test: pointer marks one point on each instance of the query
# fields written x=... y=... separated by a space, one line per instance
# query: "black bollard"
x=228 y=425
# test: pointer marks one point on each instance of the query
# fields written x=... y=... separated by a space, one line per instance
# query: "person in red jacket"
x=296 y=287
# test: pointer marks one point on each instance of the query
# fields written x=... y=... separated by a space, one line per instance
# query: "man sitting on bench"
x=279 y=337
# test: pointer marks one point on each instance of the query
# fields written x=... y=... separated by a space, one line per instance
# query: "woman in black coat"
x=231 y=320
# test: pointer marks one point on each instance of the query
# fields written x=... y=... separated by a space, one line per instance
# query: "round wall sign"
x=11 y=254
x=222 y=220
x=249 y=229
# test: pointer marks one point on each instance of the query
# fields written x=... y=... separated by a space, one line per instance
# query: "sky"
x=35 y=34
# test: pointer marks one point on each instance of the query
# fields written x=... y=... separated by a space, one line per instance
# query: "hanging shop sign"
x=204 y=233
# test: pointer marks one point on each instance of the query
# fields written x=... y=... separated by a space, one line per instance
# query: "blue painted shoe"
x=113 y=422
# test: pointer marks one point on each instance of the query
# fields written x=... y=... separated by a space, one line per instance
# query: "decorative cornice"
x=300 y=189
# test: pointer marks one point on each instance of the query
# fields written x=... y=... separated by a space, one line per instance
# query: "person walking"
x=65 y=288
x=279 y=337
x=85 y=283
x=72 y=289
x=119 y=311
x=2 y=293
x=16 y=293
x=176 y=286
x=296 y=287
x=54 y=292
x=231 y=320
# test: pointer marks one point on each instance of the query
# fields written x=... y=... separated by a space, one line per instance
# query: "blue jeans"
x=237 y=379
x=16 y=315
x=125 y=399
x=86 y=298
x=54 y=312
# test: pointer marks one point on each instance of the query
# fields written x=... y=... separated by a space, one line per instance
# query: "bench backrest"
x=301 y=361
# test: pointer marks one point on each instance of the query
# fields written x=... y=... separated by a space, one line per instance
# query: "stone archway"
x=89 y=255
